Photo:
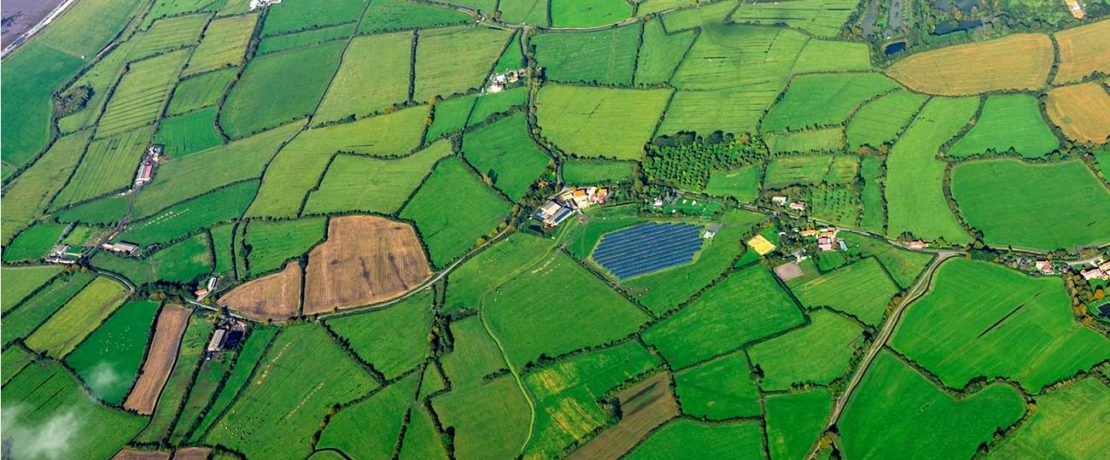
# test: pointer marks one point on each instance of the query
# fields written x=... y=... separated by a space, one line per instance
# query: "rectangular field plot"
x=181 y=219
x=795 y=420
x=109 y=165
x=392 y=339
x=21 y=282
x=358 y=183
x=647 y=248
x=224 y=44
x=813 y=140
x=271 y=243
x=34 y=243
x=689 y=438
x=573 y=13
x=797 y=170
x=189 y=133
x=819 y=17
x=200 y=91
x=116 y=348
x=591 y=172
x=455 y=60
x=370 y=427
x=275 y=43
x=1008 y=122
x=141 y=94
x=902 y=265
x=166 y=34
x=503 y=153
x=720 y=389
x=295 y=15
x=1066 y=422
x=1016 y=62
x=32 y=312
x=78 y=318
x=660 y=53
x=861 y=289
x=879 y=121
x=27 y=196
x=824 y=100
x=1081 y=111
x=606 y=56
x=387 y=15
x=578 y=118
x=373 y=76
x=490 y=420
x=833 y=56
x=1083 y=50
x=1020 y=328
x=817 y=353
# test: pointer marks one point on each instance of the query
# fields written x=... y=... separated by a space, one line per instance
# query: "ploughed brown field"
x=128 y=454
x=644 y=406
x=192 y=453
x=159 y=360
x=275 y=297
x=1083 y=50
x=365 y=260
x=1019 y=61
x=1081 y=111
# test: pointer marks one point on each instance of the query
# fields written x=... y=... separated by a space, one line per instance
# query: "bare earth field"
x=1081 y=111
x=365 y=260
x=1019 y=61
x=159 y=360
x=644 y=407
x=192 y=453
x=21 y=15
x=128 y=454
x=274 y=297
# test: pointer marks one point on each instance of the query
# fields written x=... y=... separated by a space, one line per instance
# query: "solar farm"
x=647 y=248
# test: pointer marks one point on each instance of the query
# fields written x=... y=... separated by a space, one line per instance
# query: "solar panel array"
x=647 y=248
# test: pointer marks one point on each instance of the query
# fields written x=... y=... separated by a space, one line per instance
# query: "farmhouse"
x=255 y=4
x=798 y=206
x=121 y=247
x=1100 y=272
x=1044 y=267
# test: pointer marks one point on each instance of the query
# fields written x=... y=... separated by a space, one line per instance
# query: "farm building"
x=121 y=247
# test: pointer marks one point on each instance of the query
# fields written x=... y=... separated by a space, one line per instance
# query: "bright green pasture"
x=13 y=360
x=78 y=318
x=452 y=209
x=531 y=329
x=387 y=15
x=593 y=172
x=505 y=155
x=812 y=140
x=254 y=345
x=374 y=75
x=224 y=44
x=45 y=397
x=714 y=13
x=34 y=243
x=686 y=438
x=109 y=165
x=492 y=267
x=795 y=421
x=20 y=282
x=278 y=88
x=209 y=375
x=567 y=394
x=839 y=205
x=915 y=178
x=878 y=122
x=370 y=428
x=532 y=12
x=1067 y=422
x=581 y=238
x=719 y=389
x=182 y=178
x=489 y=104
x=660 y=53
x=200 y=91
x=392 y=339
x=474 y=355
x=824 y=100
x=189 y=355
x=746 y=306
x=873 y=215
x=299 y=165
x=1057 y=206
x=268 y=244
x=797 y=170
x=451 y=115
x=421 y=440
x=902 y=265
x=221 y=247
x=294 y=15
x=833 y=56
x=189 y=133
x=355 y=182
x=201 y=212
x=490 y=420
x=574 y=13
x=141 y=94
x=109 y=359
x=21 y=322
x=578 y=119
x=1011 y=121
x=27 y=196
x=816 y=353
x=605 y=56
x=455 y=60
x=666 y=289
x=896 y=409
x=181 y=262
x=303 y=375
x=741 y=183
x=980 y=319
x=275 y=43
x=861 y=289
x=823 y=18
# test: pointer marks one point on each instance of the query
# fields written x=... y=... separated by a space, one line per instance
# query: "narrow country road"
x=915 y=292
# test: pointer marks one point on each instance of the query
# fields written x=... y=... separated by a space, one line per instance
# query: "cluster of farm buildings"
x=569 y=200
x=1099 y=272
x=227 y=336
x=498 y=82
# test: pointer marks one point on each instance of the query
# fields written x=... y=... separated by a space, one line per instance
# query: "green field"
x=746 y=306
x=688 y=18
x=141 y=94
x=224 y=44
x=294 y=15
x=190 y=355
x=359 y=183
x=300 y=378
x=819 y=17
x=572 y=13
x=797 y=170
x=491 y=268
x=392 y=339
x=26 y=196
x=824 y=100
x=275 y=43
x=817 y=353
x=531 y=329
x=200 y=91
x=576 y=119
x=452 y=209
x=33 y=243
x=1065 y=422
x=878 y=122
x=593 y=172
x=78 y=318
x=209 y=375
x=720 y=389
x=873 y=215
x=902 y=265
x=606 y=56
x=915 y=178
x=490 y=104
x=861 y=289
x=386 y=15
x=19 y=283
x=386 y=410
x=108 y=166
x=268 y=244
x=524 y=11
x=251 y=105
x=813 y=140
x=32 y=312
x=1021 y=328
x=451 y=115
x=741 y=183
x=1059 y=205
x=1008 y=122
x=504 y=154
x=660 y=54
x=108 y=361
x=182 y=219
x=833 y=56
x=454 y=60
x=895 y=408
x=189 y=133
x=374 y=75
x=794 y=421
x=251 y=350
x=489 y=420
x=685 y=438
x=182 y=262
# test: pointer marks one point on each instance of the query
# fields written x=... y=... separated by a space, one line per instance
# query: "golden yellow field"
x=275 y=297
x=1083 y=50
x=1020 y=61
x=1081 y=111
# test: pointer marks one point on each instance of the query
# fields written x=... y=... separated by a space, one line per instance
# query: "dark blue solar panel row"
x=647 y=248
